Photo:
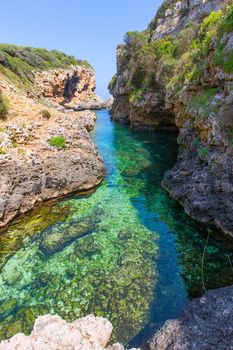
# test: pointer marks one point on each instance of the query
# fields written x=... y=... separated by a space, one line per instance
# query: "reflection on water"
x=127 y=252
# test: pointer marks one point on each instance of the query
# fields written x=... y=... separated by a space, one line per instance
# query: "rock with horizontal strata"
x=35 y=171
x=53 y=333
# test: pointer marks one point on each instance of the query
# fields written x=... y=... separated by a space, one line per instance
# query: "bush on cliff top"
x=19 y=62
x=173 y=61
x=3 y=107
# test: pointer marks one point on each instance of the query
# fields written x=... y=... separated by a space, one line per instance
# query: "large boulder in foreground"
x=207 y=324
x=53 y=333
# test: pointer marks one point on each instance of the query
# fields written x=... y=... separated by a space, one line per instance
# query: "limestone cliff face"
x=179 y=73
x=71 y=87
x=143 y=109
x=136 y=99
x=45 y=152
x=174 y=15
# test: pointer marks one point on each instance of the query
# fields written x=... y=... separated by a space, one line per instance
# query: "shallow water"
x=137 y=259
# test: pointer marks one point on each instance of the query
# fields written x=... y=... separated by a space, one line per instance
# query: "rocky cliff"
x=45 y=149
x=179 y=74
x=51 y=76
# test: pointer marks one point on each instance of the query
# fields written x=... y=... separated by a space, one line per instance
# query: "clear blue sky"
x=87 y=29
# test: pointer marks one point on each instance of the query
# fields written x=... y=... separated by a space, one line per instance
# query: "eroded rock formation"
x=45 y=148
x=33 y=171
x=178 y=74
x=53 y=333
x=73 y=87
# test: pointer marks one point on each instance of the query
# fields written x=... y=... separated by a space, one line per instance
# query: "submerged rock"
x=56 y=241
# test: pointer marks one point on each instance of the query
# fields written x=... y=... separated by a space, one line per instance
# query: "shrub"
x=227 y=23
x=3 y=151
x=201 y=100
x=46 y=114
x=185 y=38
x=19 y=62
x=136 y=39
x=21 y=151
x=58 y=142
x=228 y=62
x=112 y=83
x=3 y=107
x=136 y=96
x=203 y=153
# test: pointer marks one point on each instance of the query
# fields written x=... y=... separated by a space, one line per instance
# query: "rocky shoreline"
x=206 y=324
x=35 y=171
x=45 y=152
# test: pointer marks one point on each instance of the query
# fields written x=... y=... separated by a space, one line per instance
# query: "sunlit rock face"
x=178 y=74
x=34 y=171
x=174 y=15
x=53 y=333
x=70 y=87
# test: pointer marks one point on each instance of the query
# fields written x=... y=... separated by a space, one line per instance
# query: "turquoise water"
x=127 y=252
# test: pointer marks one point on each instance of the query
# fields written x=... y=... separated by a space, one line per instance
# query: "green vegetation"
x=175 y=61
x=201 y=100
x=19 y=62
x=204 y=104
x=136 y=39
x=3 y=151
x=227 y=23
x=136 y=96
x=21 y=151
x=58 y=142
x=112 y=82
x=3 y=106
x=149 y=58
x=203 y=153
x=46 y=114
x=222 y=58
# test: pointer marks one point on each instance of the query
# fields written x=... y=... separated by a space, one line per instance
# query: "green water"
x=127 y=252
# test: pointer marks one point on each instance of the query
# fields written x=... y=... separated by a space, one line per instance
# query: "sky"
x=87 y=29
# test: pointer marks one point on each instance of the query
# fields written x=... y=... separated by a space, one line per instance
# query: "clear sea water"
x=140 y=260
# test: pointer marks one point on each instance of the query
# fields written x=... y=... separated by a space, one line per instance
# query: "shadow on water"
x=127 y=252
